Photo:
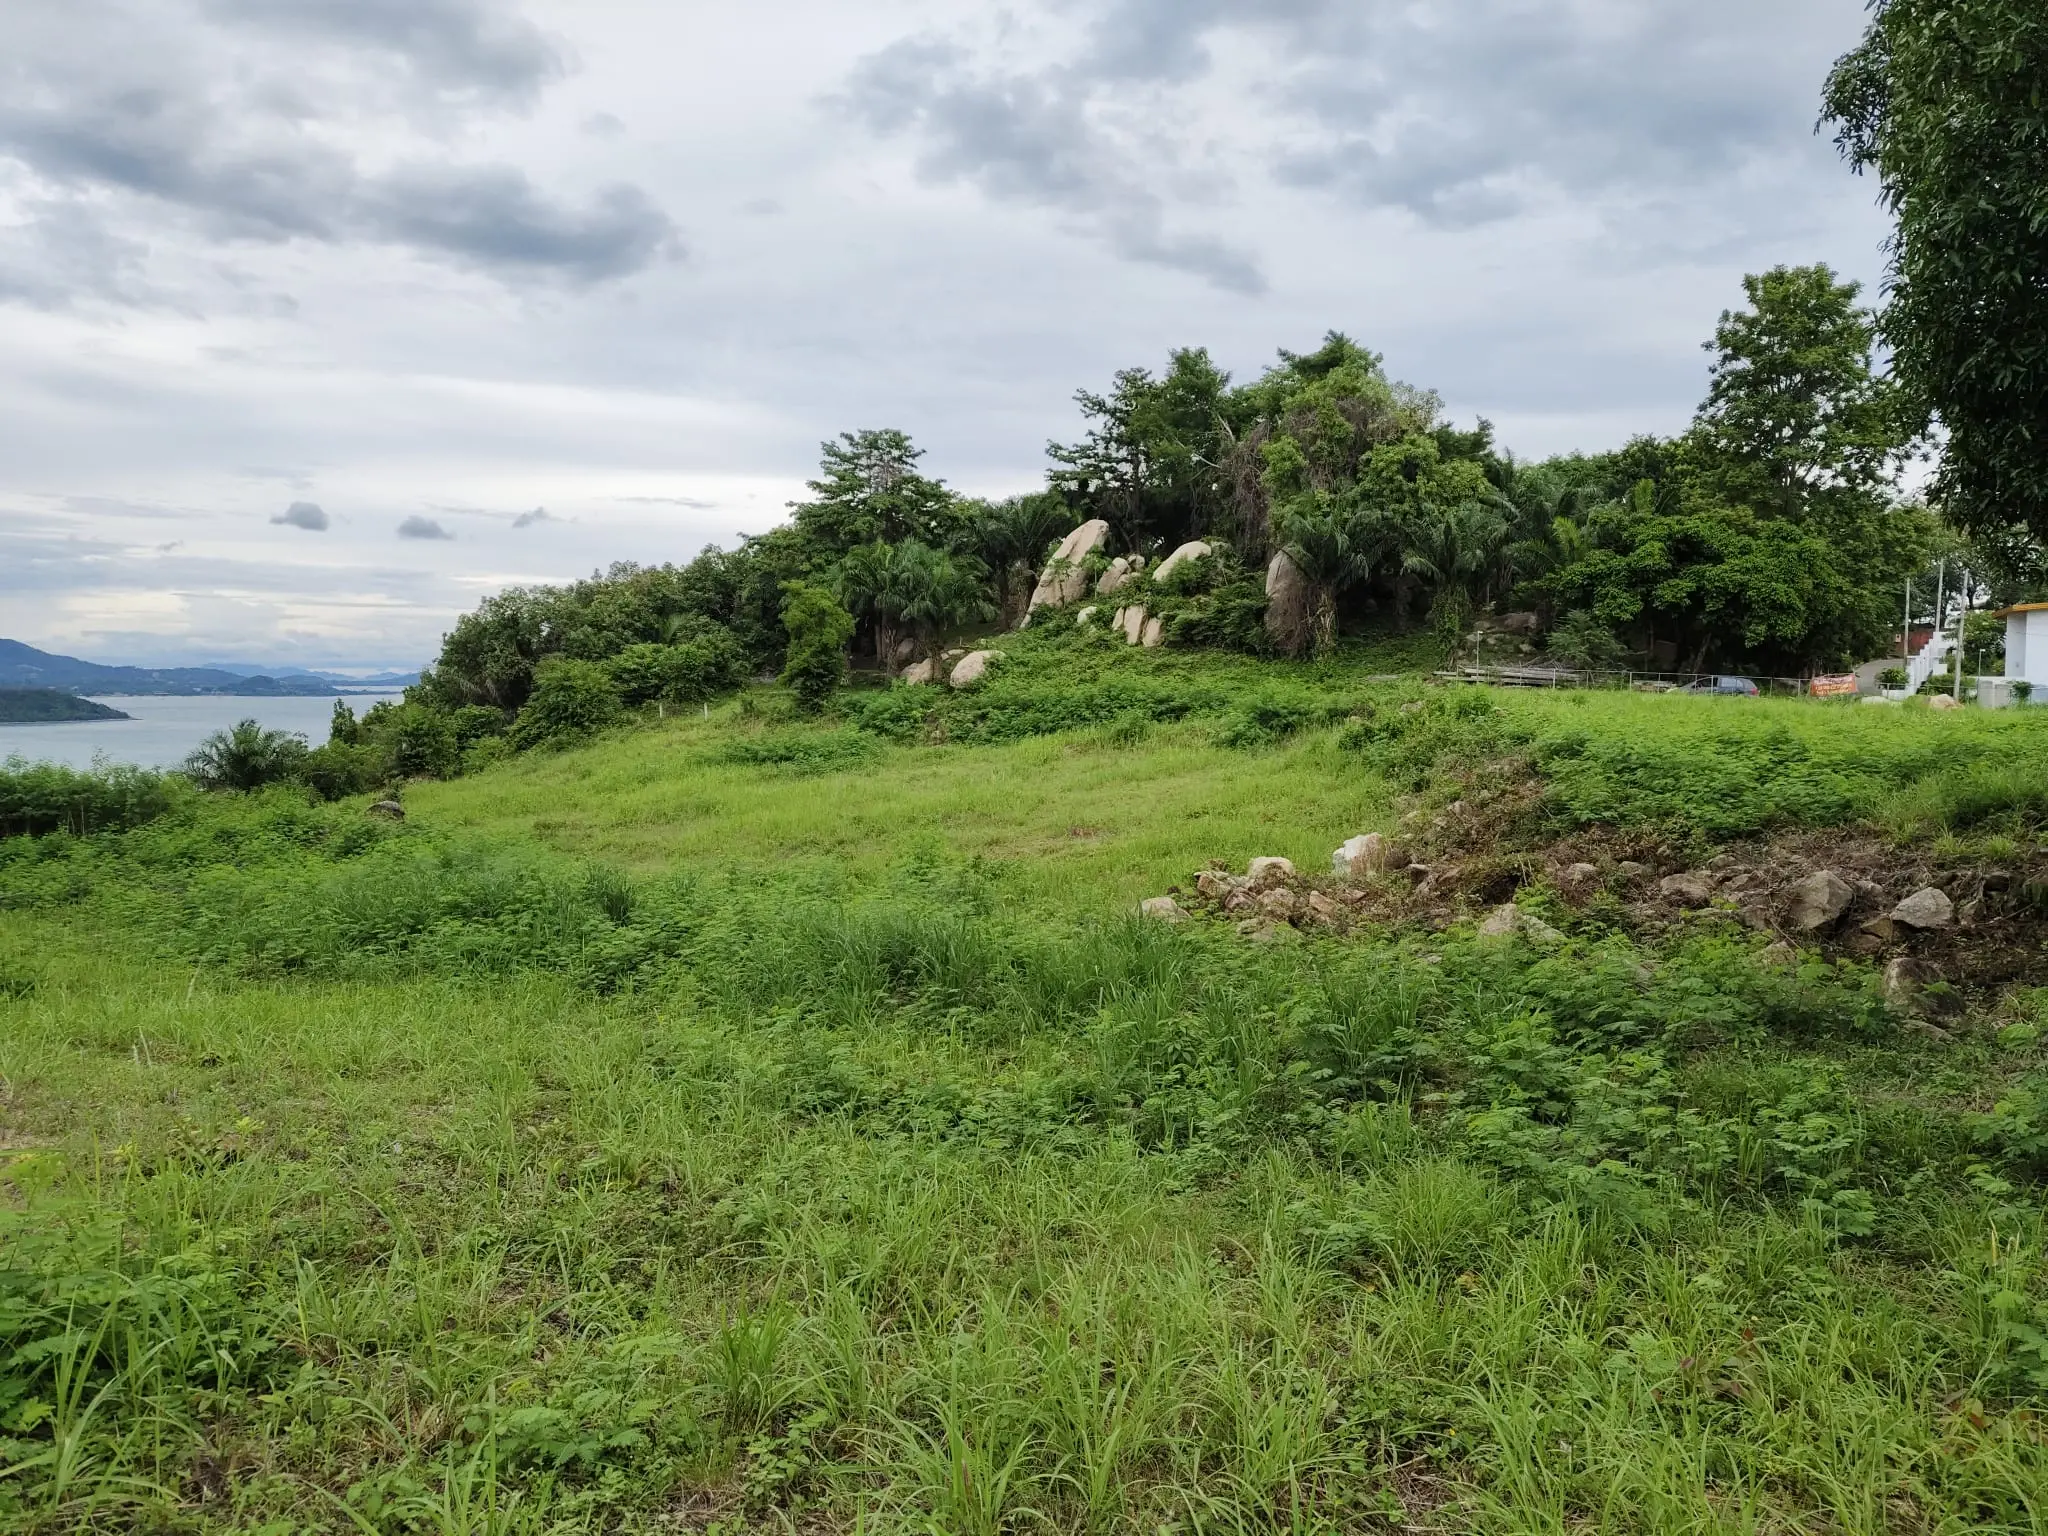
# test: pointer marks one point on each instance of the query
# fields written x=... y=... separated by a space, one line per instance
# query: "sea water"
x=164 y=730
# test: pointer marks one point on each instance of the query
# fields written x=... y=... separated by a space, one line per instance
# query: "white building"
x=2026 y=644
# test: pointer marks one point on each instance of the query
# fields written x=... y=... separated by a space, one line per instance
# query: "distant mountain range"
x=23 y=666
x=339 y=679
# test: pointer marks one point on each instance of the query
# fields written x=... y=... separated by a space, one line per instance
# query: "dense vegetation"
x=27 y=706
x=1770 y=537
x=765 y=1123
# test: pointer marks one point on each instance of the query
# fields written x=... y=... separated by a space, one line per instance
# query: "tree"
x=1797 y=421
x=1334 y=547
x=1943 y=100
x=1013 y=539
x=342 y=729
x=815 y=659
x=933 y=591
x=868 y=489
x=1454 y=548
x=245 y=757
x=1150 y=463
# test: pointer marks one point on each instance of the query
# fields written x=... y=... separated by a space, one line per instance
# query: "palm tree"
x=1334 y=547
x=1013 y=538
x=932 y=591
x=1455 y=548
x=862 y=583
x=246 y=757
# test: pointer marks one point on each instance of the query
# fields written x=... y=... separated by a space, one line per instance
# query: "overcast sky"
x=321 y=319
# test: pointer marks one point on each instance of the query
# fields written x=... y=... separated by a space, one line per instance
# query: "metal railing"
x=1620 y=681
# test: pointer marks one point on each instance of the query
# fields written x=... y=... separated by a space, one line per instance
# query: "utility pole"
x=1962 y=625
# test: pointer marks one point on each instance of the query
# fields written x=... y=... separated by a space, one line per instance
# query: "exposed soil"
x=1470 y=857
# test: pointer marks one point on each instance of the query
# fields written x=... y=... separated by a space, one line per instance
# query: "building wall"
x=2026 y=647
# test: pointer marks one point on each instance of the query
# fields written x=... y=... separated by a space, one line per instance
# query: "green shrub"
x=45 y=797
x=819 y=628
x=423 y=744
x=571 y=701
x=340 y=769
x=681 y=673
x=804 y=753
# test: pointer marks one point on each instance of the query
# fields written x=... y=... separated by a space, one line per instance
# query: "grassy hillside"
x=751 y=1123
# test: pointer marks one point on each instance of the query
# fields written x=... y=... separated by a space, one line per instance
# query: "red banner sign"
x=1832 y=687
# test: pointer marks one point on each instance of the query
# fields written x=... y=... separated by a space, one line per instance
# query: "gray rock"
x=926 y=671
x=1694 y=888
x=1134 y=624
x=1162 y=908
x=1508 y=920
x=1086 y=617
x=1928 y=907
x=1521 y=623
x=1215 y=884
x=1324 y=910
x=1580 y=877
x=1119 y=572
x=972 y=667
x=1154 y=634
x=391 y=810
x=1370 y=854
x=1265 y=873
x=1287 y=604
x=1063 y=580
x=1818 y=900
x=1280 y=903
x=1187 y=554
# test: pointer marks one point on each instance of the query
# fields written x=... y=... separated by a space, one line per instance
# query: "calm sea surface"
x=164 y=730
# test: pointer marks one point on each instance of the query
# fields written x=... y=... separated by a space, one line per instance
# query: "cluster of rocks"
x=1818 y=902
x=960 y=669
x=1065 y=580
x=1272 y=891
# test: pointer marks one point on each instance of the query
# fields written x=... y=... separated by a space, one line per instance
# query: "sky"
x=321 y=320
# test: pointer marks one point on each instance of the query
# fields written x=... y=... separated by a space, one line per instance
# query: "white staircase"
x=1933 y=658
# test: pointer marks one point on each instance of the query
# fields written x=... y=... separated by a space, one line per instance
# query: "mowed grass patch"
x=1082 y=821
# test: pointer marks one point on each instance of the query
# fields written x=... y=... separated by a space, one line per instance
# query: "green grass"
x=771 y=1126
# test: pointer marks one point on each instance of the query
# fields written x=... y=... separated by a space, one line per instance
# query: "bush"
x=819 y=628
x=570 y=700
x=246 y=757
x=424 y=744
x=1892 y=679
x=44 y=797
x=341 y=769
x=1580 y=640
x=680 y=673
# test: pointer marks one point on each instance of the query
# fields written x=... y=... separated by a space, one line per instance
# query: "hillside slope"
x=787 y=1124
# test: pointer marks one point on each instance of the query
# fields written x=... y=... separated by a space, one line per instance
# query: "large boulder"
x=1187 y=554
x=389 y=809
x=1162 y=909
x=1121 y=569
x=926 y=671
x=1063 y=580
x=1134 y=624
x=1944 y=701
x=1288 y=604
x=1153 y=635
x=1818 y=900
x=972 y=668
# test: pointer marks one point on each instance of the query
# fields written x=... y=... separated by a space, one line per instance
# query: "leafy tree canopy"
x=1944 y=102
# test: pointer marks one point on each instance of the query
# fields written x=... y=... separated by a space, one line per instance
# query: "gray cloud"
x=537 y=515
x=262 y=147
x=303 y=514
x=448 y=47
x=417 y=527
x=1029 y=138
x=1459 y=118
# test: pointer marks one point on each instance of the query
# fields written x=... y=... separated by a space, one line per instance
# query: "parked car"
x=1741 y=686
